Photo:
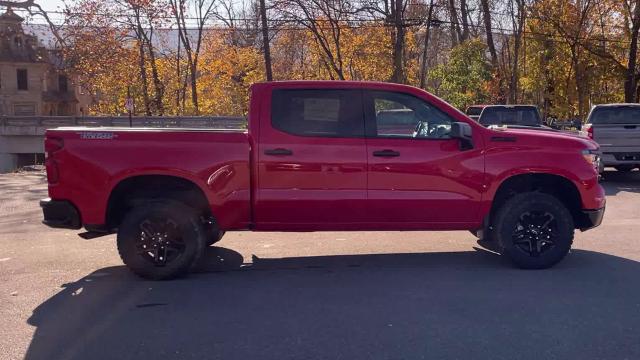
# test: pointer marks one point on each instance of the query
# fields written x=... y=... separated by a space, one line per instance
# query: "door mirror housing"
x=463 y=132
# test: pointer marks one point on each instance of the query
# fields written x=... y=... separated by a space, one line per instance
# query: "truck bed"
x=95 y=160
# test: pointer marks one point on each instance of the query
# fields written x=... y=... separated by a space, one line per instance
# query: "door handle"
x=386 y=153
x=278 y=152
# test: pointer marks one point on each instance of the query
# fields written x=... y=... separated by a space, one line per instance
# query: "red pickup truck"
x=324 y=156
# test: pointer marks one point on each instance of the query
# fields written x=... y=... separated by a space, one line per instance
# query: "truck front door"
x=418 y=176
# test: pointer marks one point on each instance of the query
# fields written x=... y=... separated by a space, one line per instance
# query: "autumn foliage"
x=563 y=55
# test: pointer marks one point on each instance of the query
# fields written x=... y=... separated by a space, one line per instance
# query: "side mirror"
x=463 y=132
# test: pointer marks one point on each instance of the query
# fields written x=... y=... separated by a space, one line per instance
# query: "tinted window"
x=402 y=115
x=526 y=116
x=615 y=115
x=330 y=113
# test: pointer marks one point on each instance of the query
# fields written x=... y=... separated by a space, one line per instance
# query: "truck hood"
x=533 y=136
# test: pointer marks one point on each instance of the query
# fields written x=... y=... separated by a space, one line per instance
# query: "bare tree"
x=203 y=11
x=396 y=14
x=325 y=20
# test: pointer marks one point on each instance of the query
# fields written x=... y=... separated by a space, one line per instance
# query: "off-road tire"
x=184 y=223
x=509 y=218
x=214 y=236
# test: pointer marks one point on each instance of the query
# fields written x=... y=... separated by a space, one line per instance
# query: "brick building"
x=32 y=81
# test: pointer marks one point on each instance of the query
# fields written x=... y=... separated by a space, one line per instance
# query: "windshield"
x=616 y=115
x=524 y=116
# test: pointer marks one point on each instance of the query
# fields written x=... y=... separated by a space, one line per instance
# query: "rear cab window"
x=615 y=115
x=318 y=112
x=510 y=115
x=474 y=110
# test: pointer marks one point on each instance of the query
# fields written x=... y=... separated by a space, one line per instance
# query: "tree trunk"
x=518 y=20
x=630 y=83
x=579 y=76
x=398 y=45
x=194 y=87
x=549 y=90
x=143 y=77
x=265 y=41
x=456 y=34
x=423 y=67
x=513 y=86
x=486 y=15
x=157 y=83
x=179 y=77
x=465 y=20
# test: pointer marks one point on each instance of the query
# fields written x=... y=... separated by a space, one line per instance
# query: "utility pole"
x=423 y=67
x=265 y=40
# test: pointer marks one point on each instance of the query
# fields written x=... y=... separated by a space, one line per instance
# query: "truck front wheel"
x=535 y=230
x=161 y=239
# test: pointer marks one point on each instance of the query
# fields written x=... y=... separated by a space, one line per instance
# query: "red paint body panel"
x=327 y=183
x=216 y=161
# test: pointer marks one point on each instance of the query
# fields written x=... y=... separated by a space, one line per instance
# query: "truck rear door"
x=311 y=160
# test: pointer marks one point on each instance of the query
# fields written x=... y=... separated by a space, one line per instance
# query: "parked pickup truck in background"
x=616 y=128
x=324 y=156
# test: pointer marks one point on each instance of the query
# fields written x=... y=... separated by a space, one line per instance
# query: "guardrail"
x=36 y=125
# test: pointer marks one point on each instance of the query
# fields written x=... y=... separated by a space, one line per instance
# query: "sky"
x=47 y=5
x=51 y=4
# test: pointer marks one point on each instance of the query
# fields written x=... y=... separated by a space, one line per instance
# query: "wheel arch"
x=556 y=185
x=132 y=190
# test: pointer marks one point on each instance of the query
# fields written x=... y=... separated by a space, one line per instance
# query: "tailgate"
x=623 y=137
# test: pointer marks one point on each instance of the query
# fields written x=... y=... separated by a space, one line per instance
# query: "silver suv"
x=616 y=127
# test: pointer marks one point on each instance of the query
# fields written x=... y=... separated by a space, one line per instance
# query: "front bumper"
x=590 y=219
x=620 y=158
x=60 y=214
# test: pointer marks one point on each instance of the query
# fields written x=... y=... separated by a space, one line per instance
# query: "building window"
x=23 y=83
x=24 y=109
x=63 y=83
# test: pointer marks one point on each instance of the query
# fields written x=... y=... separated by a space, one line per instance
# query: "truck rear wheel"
x=535 y=230
x=161 y=239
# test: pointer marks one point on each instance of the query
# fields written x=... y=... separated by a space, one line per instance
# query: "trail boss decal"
x=97 y=135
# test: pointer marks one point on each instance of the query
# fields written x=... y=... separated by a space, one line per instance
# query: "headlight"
x=593 y=158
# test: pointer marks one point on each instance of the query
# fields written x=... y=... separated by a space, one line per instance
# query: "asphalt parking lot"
x=364 y=295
